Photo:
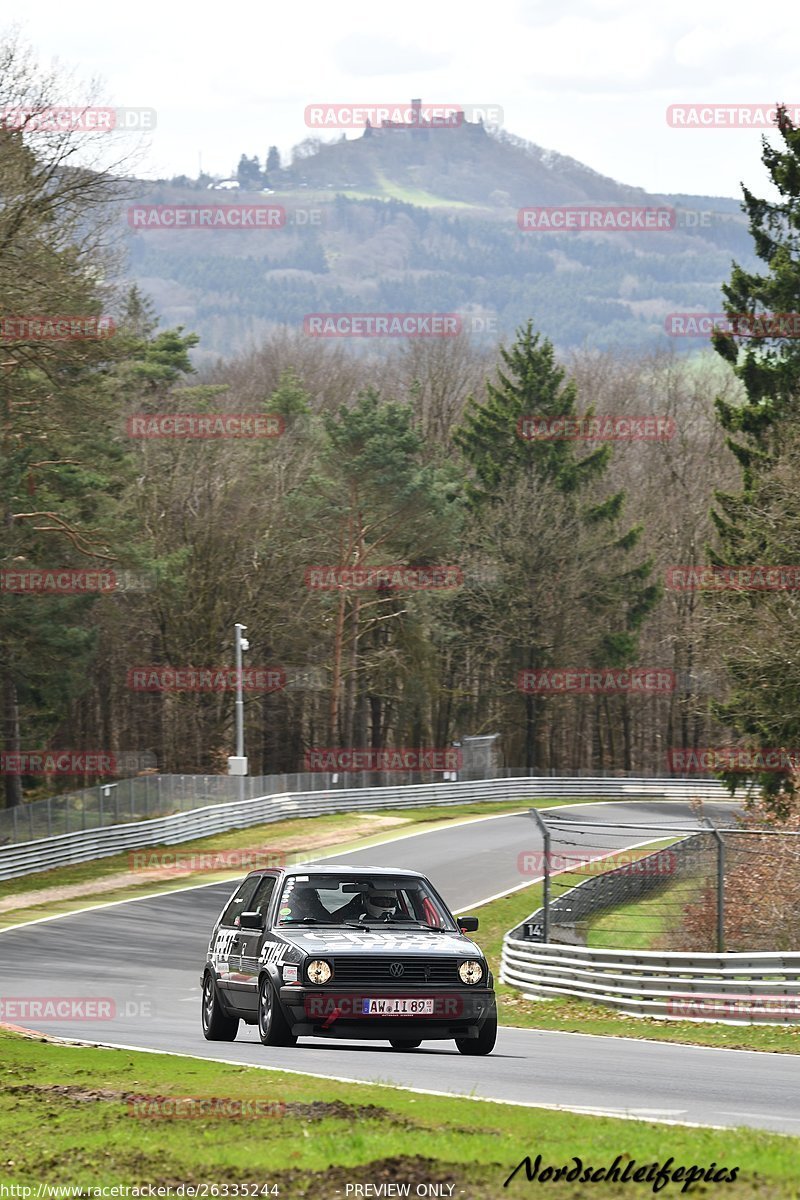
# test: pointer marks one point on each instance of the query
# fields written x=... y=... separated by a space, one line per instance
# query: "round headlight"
x=470 y=972
x=319 y=971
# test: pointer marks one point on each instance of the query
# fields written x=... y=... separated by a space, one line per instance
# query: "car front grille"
x=361 y=969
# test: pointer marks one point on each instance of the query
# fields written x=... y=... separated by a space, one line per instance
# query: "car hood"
x=356 y=941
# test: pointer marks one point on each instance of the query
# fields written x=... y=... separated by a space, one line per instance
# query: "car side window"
x=240 y=901
x=263 y=895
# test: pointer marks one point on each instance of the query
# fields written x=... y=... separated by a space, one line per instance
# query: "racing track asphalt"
x=147 y=955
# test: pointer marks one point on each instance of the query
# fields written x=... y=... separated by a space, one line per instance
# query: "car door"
x=245 y=982
x=226 y=953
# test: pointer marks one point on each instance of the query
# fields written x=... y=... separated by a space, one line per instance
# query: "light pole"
x=237 y=764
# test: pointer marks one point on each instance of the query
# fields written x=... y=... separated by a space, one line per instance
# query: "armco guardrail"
x=617 y=885
x=144 y=797
x=763 y=987
x=83 y=845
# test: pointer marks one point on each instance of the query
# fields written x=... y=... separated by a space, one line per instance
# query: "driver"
x=371 y=906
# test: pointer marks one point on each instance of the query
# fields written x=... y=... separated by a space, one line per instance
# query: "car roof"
x=344 y=870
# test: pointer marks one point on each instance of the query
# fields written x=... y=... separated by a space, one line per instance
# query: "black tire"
x=484 y=1042
x=273 y=1028
x=399 y=1043
x=217 y=1025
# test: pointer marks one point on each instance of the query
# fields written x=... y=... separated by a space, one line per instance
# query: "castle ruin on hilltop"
x=422 y=120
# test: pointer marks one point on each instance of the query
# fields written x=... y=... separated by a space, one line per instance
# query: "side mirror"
x=465 y=924
x=251 y=920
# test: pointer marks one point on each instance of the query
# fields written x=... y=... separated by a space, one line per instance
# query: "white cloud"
x=582 y=52
x=366 y=54
x=591 y=79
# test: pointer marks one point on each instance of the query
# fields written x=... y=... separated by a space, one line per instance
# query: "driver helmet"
x=380 y=904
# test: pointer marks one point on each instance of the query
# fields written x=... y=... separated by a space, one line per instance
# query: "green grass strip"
x=98 y=1117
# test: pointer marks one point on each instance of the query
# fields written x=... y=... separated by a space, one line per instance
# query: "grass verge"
x=90 y=1117
x=645 y=924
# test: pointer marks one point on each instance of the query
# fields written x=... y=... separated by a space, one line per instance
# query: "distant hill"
x=426 y=221
x=464 y=164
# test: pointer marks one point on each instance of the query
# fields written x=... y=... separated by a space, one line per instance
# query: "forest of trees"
x=381 y=254
x=410 y=456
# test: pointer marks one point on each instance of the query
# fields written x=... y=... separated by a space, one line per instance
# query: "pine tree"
x=759 y=525
x=290 y=399
x=768 y=365
x=531 y=385
x=613 y=594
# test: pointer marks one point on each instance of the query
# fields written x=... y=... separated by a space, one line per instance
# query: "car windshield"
x=364 y=901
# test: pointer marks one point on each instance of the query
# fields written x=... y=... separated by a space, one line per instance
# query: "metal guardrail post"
x=720 y=892
x=545 y=832
x=720 y=884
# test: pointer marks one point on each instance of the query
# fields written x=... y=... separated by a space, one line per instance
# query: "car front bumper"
x=338 y=1012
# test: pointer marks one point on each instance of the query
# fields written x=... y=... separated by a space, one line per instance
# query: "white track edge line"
x=402 y=1087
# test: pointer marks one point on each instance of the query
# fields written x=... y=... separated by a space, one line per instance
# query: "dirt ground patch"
x=452 y=1181
x=316 y=1110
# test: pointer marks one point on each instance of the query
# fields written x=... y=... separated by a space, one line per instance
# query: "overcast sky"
x=588 y=78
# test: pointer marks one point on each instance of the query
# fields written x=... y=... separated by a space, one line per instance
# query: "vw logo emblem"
x=396 y=970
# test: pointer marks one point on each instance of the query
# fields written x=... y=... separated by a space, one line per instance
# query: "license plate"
x=398 y=1006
